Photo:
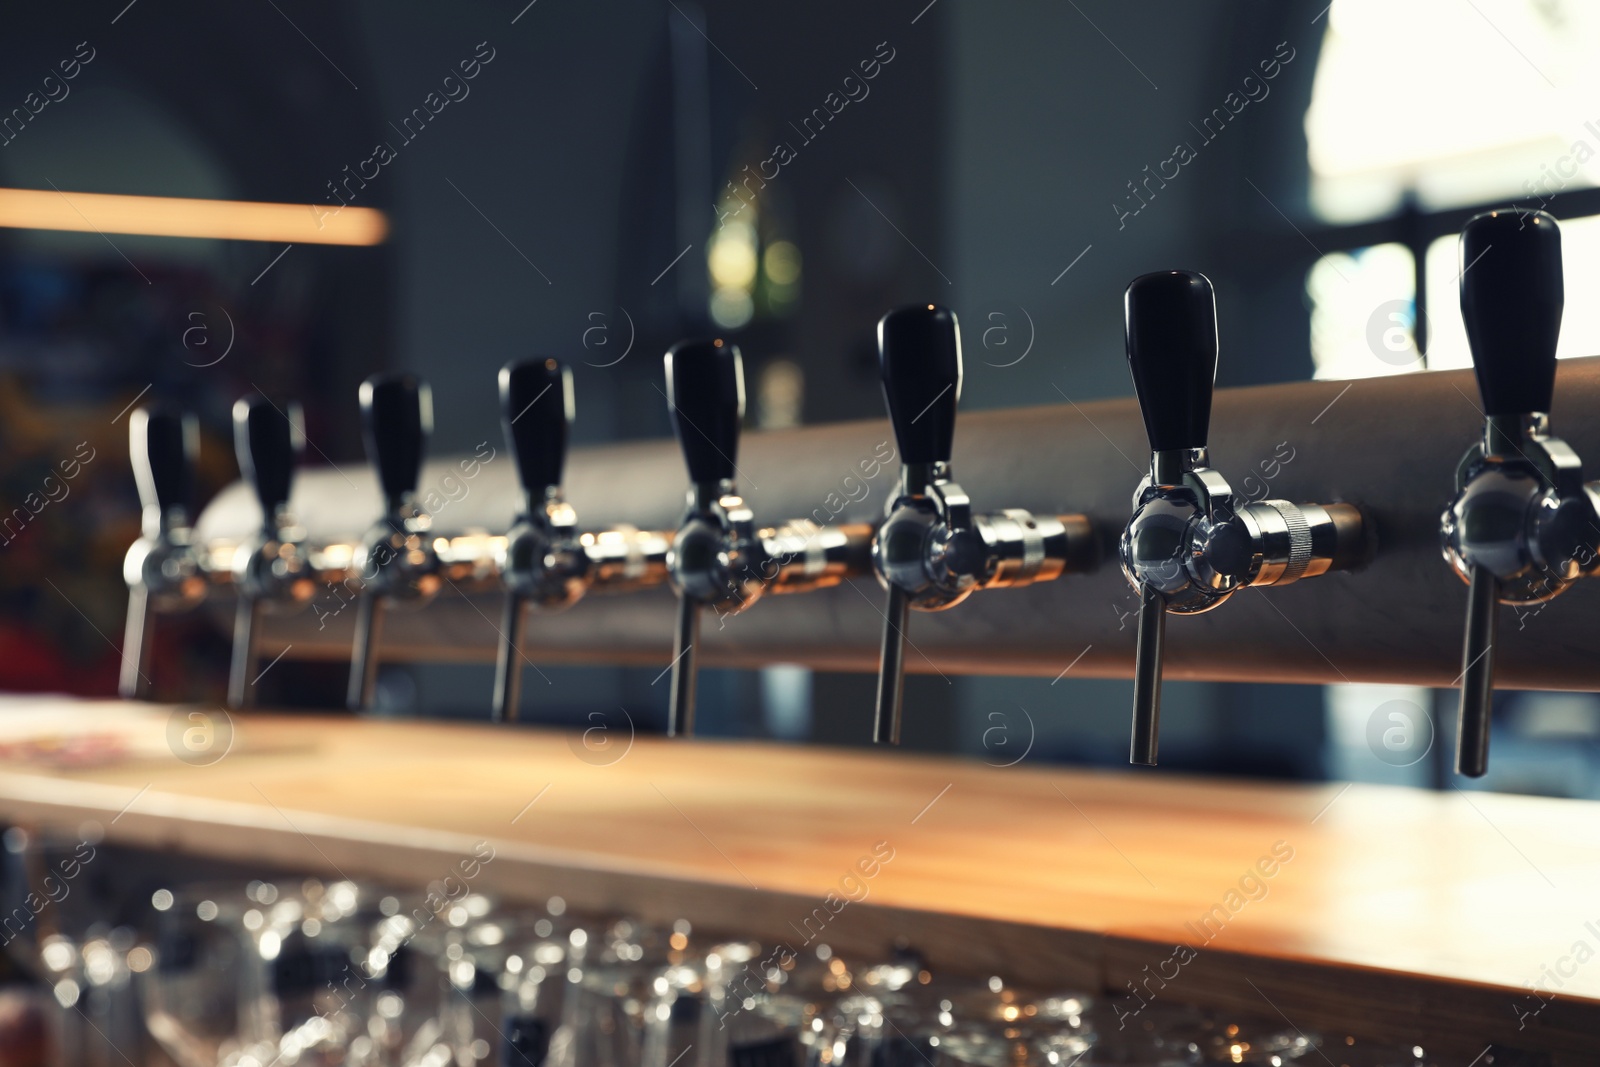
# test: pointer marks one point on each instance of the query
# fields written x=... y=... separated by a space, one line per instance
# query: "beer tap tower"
x=719 y=557
x=544 y=563
x=163 y=567
x=1523 y=525
x=396 y=562
x=270 y=569
x=710 y=561
x=1191 y=544
x=932 y=551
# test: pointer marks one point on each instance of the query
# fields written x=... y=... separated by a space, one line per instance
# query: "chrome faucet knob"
x=271 y=567
x=1523 y=523
x=544 y=562
x=162 y=568
x=709 y=563
x=395 y=562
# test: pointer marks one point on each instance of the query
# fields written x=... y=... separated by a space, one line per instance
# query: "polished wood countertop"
x=1387 y=911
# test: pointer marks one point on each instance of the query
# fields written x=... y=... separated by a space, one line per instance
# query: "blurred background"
x=594 y=181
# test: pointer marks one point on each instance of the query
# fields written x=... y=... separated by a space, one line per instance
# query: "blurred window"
x=1422 y=112
x=1456 y=102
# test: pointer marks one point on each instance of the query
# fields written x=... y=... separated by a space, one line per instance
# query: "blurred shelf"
x=1395 y=913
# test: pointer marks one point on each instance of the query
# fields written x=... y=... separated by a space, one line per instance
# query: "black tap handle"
x=1511 y=300
x=919 y=356
x=268 y=440
x=1172 y=352
x=536 y=411
x=163 y=446
x=705 y=397
x=396 y=419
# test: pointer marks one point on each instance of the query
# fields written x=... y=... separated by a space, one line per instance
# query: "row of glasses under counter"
x=300 y=970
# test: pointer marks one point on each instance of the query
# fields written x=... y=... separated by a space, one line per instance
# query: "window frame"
x=1416 y=229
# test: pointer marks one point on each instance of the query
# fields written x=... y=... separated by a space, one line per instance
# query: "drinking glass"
x=1162 y=1033
x=768 y=1010
x=503 y=981
x=899 y=1015
x=244 y=978
x=640 y=996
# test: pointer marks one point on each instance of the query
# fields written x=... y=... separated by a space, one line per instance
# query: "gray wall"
x=1051 y=116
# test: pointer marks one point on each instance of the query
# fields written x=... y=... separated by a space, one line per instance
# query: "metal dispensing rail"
x=1390 y=445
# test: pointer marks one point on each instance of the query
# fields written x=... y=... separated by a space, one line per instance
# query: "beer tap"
x=396 y=562
x=271 y=568
x=1523 y=524
x=163 y=567
x=720 y=558
x=710 y=560
x=1191 y=543
x=545 y=563
x=932 y=551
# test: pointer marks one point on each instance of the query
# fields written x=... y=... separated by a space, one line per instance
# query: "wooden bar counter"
x=1394 y=913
